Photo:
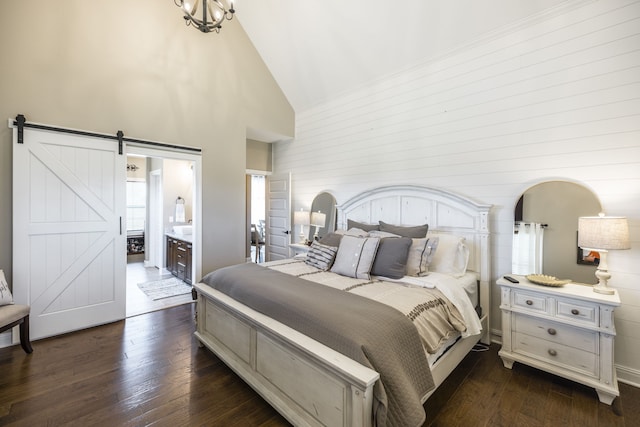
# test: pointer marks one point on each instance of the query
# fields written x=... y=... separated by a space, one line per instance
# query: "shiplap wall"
x=554 y=98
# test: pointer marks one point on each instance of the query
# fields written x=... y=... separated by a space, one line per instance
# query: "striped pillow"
x=321 y=256
x=420 y=256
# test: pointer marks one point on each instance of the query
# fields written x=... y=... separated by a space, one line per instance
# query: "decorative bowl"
x=544 y=280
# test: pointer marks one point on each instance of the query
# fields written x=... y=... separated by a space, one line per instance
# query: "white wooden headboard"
x=445 y=212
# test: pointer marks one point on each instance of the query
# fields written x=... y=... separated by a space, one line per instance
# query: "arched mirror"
x=323 y=215
x=556 y=205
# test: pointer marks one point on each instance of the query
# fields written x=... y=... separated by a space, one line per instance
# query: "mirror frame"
x=329 y=208
x=568 y=265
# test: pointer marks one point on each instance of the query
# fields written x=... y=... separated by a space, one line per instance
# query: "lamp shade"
x=318 y=219
x=301 y=217
x=603 y=232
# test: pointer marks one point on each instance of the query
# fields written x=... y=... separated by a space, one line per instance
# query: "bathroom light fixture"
x=601 y=234
x=206 y=15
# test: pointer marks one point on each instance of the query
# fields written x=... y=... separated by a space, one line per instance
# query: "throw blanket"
x=435 y=316
x=371 y=333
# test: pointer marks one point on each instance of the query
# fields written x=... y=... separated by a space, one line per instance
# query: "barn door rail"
x=20 y=122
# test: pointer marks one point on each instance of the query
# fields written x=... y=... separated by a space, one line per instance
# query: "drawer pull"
x=552 y=352
x=551 y=331
x=575 y=311
x=529 y=302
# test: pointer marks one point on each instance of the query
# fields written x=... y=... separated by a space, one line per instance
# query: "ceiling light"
x=205 y=15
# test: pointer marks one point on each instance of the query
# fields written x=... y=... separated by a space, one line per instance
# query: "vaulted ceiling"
x=317 y=50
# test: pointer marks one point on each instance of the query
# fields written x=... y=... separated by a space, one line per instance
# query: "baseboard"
x=5 y=339
x=496 y=336
x=628 y=376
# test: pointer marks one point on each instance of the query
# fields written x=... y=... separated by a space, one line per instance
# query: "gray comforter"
x=367 y=331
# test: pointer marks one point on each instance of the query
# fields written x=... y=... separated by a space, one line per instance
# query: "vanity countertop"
x=184 y=237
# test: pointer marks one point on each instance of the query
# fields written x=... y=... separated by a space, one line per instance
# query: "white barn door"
x=278 y=216
x=69 y=236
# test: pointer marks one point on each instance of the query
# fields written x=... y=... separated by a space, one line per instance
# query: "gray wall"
x=135 y=66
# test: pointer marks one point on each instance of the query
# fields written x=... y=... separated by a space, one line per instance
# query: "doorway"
x=70 y=241
x=168 y=177
x=257 y=216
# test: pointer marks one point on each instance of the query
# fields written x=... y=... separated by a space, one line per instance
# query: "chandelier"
x=205 y=15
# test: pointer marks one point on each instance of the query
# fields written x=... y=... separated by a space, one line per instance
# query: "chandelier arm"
x=194 y=9
x=217 y=21
x=213 y=14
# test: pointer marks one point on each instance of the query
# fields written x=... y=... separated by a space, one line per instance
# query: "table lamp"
x=301 y=218
x=602 y=234
x=317 y=220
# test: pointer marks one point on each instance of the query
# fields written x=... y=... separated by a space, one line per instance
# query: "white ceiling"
x=317 y=50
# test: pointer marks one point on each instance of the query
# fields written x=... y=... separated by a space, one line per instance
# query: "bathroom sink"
x=183 y=229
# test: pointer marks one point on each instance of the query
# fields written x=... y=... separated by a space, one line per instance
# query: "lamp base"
x=603 y=277
x=603 y=290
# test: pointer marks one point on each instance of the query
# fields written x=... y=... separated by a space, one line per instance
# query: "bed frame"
x=307 y=382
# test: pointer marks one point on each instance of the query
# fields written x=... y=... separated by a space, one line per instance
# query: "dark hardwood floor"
x=148 y=370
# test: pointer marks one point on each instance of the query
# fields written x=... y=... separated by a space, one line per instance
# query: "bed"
x=309 y=382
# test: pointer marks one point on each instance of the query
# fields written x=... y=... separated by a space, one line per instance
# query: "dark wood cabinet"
x=179 y=258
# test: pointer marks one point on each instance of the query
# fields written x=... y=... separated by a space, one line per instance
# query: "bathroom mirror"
x=324 y=203
x=558 y=204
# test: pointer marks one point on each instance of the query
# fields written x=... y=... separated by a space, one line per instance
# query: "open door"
x=278 y=216
x=69 y=238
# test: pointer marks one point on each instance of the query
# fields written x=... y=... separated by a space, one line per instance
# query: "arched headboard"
x=445 y=212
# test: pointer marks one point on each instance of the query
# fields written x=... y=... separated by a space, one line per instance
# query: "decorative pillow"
x=417 y=231
x=391 y=257
x=331 y=239
x=382 y=234
x=5 y=294
x=452 y=255
x=362 y=226
x=356 y=232
x=355 y=256
x=321 y=256
x=420 y=255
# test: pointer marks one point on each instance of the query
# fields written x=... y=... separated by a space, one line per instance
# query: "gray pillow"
x=416 y=232
x=355 y=256
x=420 y=256
x=321 y=256
x=331 y=239
x=363 y=226
x=391 y=258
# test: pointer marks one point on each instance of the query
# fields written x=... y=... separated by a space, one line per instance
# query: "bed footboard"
x=307 y=382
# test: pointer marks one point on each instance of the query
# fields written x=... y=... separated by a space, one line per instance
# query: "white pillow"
x=356 y=232
x=382 y=234
x=420 y=256
x=355 y=256
x=5 y=294
x=452 y=255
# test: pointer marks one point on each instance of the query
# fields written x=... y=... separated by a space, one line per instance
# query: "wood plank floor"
x=148 y=370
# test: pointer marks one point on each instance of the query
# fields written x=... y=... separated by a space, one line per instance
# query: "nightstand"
x=299 y=248
x=567 y=331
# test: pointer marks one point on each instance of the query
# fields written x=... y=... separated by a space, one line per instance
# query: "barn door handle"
x=121 y=226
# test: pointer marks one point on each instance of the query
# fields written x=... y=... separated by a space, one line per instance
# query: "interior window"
x=136 y=205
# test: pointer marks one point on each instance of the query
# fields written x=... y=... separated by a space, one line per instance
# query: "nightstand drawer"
x=578 y=312
x=558 y=354
x=529 y=302
x=556 y=332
